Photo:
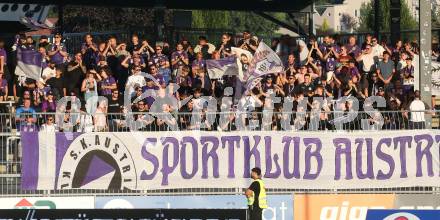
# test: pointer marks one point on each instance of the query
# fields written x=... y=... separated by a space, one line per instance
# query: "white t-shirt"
x=416 y=107
x=48 y=128
x=135 y=79
x=378 y=51
x=368 y=61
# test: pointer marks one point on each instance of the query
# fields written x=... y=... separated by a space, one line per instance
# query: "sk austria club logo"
x=97 y=161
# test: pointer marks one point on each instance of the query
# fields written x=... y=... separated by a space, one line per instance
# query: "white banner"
x=435 y=78
x=160 y=160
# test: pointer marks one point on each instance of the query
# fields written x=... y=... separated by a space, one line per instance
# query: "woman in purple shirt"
x=106 y=82
x=49 y=104
x=198 y=64
x=3 y=61
x=3 y=85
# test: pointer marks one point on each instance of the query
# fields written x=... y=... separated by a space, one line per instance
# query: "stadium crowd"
x=326 y=69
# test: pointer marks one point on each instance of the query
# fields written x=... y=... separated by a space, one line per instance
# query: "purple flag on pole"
x=225 y=66
x=30 y=63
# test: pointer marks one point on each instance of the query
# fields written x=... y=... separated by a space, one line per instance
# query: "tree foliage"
x=98 y=19
x=348 y=22
x=85 y=19
x=234 y=21
x=366 y=20
x=324 y=29
x=435 y=14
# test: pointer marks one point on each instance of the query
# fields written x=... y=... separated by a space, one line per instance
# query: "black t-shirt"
x=306 y=88
x=255 y=187
x=133 y=47
x=250 y=42
x=114 y=106
x=227 y=48
x=73 y=78
x=57 y=85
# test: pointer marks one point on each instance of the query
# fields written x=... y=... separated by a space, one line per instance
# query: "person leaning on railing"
x=417 y=110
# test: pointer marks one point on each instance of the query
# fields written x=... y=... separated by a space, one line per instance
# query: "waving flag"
x=225 y=66
x=30 y=63
x=265 y=61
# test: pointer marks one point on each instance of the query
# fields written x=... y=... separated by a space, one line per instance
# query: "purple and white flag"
x=30 y=63
x=224 y=66
x=33 y=24
x=265 y=61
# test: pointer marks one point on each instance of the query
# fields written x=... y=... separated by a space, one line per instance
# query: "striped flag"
x=225 y=66
x=30 y=63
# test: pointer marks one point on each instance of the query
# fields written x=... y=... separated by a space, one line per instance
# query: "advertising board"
x=280 y=206
x=87 y=202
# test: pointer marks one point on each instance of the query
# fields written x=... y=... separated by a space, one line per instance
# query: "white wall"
x=352 y=7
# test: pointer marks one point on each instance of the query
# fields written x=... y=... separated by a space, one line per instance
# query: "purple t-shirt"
x=199 y=63
x=3 y=85
x=353 y=49
x=107 y=82
x=159 y=78
x=48 y=106
x=131 y=61
x=176 y=56
x=330 y=65
x=354 y=71
x=3 y=54
x=184 y=81
x=150 y=99
x=58 y=58
x=324 y=47
x=156 y=59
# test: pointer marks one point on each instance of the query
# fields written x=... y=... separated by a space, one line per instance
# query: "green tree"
x=366 y=19
x=235 y=21
x=324 y=28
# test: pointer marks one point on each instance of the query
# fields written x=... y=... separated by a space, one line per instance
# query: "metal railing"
x=219 y=121
x=11 y=156
x=173 y=35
